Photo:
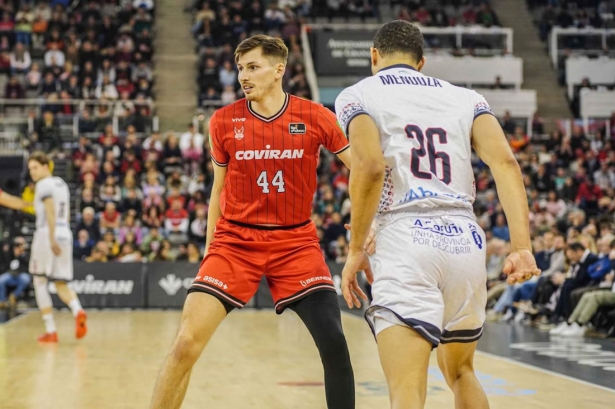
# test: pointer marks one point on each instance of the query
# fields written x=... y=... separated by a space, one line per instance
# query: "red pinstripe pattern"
x=244 y=199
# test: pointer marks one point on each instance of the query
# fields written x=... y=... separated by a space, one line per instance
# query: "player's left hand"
x=520 y=266
x=355 y=262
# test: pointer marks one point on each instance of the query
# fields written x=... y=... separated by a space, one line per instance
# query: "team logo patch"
x=482 y=108
x=476 y=236
x=296 y=129
x=238 y=133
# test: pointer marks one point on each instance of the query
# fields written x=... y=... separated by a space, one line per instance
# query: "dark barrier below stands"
x=153 y=285
x=342 y=52
x=107 y=285
x=168 y=283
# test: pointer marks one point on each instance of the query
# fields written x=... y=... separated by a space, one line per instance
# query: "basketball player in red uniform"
x=265 y=151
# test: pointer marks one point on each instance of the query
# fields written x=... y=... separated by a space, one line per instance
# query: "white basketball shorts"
x=44 y=262
x=430 y=274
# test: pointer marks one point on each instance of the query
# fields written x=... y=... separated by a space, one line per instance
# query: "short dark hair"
x=399 y=36
x=39 y=157
x=576 y=247
x=272 y=48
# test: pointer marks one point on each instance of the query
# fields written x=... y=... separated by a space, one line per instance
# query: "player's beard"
x=262 y=92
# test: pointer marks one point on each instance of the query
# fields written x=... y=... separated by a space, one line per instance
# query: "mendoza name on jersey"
x=406 y=80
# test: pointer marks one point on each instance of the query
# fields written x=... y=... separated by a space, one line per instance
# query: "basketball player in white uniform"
x=411 y=138
x=52 y=246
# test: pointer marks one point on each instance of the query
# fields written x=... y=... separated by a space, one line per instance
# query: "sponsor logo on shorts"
x=476 y=236
x=212 y=280
x=445 y=237
x=449 y=229
x=309 y=281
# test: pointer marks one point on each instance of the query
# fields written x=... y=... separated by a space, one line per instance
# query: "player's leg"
x=69 y=297
x=404 y=355
x=62 y=273
x=320 y=313
x=464 y=291
x=407 y=310
x=41 y=266
x=227 y=279
x=456 y=361
x=300 y=279
x=43 y=301
x=201 y=316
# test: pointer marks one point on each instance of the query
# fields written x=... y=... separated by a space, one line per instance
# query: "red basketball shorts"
x=239 y=256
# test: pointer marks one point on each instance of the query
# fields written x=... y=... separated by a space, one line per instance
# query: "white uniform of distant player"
x=429 y=264
x=42 y=260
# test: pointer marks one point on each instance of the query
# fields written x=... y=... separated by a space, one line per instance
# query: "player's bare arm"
x=50 y=212
x=492 y=147
x=345 y=157
x=365 y=188
x=12 y=202
x=214 y=212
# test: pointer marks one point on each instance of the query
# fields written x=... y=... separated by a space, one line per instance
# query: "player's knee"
x=186 y=348
x=40 y=282
x=454 y=371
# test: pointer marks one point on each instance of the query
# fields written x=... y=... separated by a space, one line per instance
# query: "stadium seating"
x=89 y=63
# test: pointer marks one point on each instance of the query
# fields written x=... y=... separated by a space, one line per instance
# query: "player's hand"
x=55 y=248
x=520 y=266
x=355 y=261
x=370 y=241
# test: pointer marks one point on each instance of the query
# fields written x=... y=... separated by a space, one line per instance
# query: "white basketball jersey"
x=425 y=129
x=56 y=188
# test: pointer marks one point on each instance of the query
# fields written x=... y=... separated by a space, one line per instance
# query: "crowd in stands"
x=61 y=50
x=218 y=28
x=570 y=183
x=448 y=13
x=573 y=13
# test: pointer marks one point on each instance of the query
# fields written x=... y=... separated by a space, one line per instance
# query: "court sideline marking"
x=524 y=365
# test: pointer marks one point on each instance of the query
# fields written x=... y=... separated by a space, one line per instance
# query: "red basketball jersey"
x=271 y=176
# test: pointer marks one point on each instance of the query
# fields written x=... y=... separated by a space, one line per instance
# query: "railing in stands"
x=580 y=41
x=308 y=63
x=20 y=110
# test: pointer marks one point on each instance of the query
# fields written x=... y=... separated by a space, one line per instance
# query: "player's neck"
x=270 y=104
x=398 y=61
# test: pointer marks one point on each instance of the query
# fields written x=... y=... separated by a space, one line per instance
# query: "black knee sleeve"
x=320 y=313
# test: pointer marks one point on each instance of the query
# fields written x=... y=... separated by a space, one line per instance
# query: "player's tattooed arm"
x=214 y=212
x=13 y=202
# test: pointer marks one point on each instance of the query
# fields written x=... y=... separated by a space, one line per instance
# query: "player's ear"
x=279 y=71
x=421 y=63
x=374 y=56
x=374 y=59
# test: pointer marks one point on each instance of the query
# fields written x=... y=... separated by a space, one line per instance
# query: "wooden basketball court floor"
x=255 y=360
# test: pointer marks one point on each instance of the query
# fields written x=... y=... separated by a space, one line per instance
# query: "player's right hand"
x=370 y=241
x=520 y=266
x=55 y=248
x=355 y=262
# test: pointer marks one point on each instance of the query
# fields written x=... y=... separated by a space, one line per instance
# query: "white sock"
x=75 y=306
x=50 y=325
